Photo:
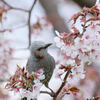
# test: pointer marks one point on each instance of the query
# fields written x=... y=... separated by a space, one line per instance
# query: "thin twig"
x=46 y=92
x=29 y=18
x=3 y=80
x=21 y=26
x=10 y=7
x=29 y=23
x=63 y=83
x=84 y=28
x=4 y=30
x=54 y=95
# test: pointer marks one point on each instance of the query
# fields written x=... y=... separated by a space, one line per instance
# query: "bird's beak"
x=47 y=45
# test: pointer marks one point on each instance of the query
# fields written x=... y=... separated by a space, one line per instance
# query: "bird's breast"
x=47 y=64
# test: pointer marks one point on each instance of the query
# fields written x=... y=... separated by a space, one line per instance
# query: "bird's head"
x=39 y=49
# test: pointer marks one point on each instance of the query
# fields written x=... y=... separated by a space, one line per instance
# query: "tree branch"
x=3 y=80
x=63 y=83
x=29 y=18
x=54 y=95
x=87 y=3
x=46 y=92
x=51 y=8
x=4 y=30
x=10 y=7
x=29 y=24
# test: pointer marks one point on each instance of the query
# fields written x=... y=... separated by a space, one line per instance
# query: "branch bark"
x=63 y=84
x=10 y=7
x=29 y=18
x=29 y=24
x=46 y=92
x=53 y=16
x=87 y=3
x=61 y=87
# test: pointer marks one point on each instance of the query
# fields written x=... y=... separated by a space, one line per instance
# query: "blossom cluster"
x=88 y=85
x=94 y=98
x=40 y=24
x=81 y=46
x=26 y=83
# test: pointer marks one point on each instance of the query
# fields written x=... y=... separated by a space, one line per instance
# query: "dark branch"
x=10 y=7
x=87 y=3
x=63 y=83
x=3 y=80
x=54 y=95
x=51 y=8
x=4 y=30
x=46 y=92
x=29 y=24
x=29 y=19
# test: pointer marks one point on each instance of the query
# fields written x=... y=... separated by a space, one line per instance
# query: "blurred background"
x=25 y=21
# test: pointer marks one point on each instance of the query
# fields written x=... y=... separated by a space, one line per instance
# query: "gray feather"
x=47 y=63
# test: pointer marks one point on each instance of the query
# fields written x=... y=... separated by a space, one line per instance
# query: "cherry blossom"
x=81 y=47
x=28 y=85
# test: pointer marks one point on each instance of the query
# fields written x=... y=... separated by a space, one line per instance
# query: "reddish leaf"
x=74 y=89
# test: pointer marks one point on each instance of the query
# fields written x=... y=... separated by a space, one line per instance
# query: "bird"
x=41 y=59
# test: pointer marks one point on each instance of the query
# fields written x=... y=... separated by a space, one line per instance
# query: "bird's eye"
x=40 y=48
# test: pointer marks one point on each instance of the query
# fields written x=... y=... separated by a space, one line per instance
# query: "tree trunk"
x=50 y=7
x=87 y=3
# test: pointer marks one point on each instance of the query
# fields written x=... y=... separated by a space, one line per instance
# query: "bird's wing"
x=30 y=66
